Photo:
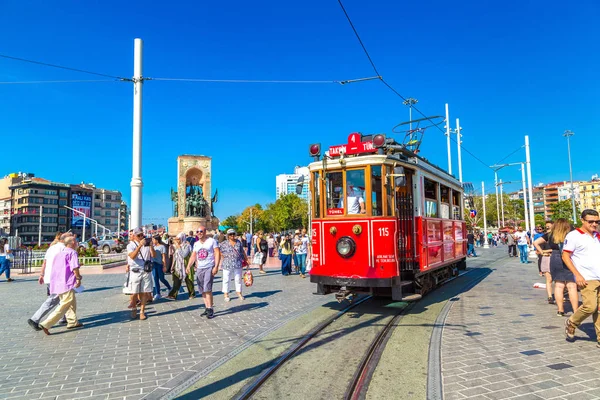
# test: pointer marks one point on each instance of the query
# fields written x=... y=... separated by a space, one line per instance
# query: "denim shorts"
x=205 y=278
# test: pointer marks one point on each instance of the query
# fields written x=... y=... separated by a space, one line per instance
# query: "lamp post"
x=568 y=134
x=84 y=218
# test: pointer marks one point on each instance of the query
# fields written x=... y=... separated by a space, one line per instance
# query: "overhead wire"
x=240 y=80
x=83 y=71
x=58 y=81
x=518 y=149
x=390 y=86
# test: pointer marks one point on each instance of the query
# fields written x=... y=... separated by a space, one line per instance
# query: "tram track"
x=359 y=382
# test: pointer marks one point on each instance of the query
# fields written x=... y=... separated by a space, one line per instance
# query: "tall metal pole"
x=448 y=139
x=251 y=221
x=497 y=203
x=136 y=170
x=524 y=197
x=410 y=102
x=568 y=135
x=485 y=243
x=119 y=221
x=458 y=141
x=501 y=203
x=83 y=230
x=531 y=213
x=40 y=232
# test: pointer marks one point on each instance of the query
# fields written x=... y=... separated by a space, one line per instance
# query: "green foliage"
x=44 y=246
x=514 y=212
x=540 y=220
x=231 y=221
x=564 y=209
x=287 y=212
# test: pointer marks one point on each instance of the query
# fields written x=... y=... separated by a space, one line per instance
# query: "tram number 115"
x=384 y=231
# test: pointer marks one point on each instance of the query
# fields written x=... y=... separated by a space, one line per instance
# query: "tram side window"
x=456 y=205
x=316 y=190
x=389 y=192
x=376 y=194
x=430 y=192
x=445 y=202
x=335 y=190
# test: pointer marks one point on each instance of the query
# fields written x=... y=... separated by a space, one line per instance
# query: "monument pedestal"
x=187 y=224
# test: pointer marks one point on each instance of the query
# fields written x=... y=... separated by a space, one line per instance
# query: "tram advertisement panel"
x=384 y=247
x=316 y=244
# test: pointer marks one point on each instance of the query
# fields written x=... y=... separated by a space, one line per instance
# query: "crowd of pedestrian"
x=193 y=259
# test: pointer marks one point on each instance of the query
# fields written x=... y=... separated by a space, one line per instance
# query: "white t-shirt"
x=521 y=237
x=142 y=256
x=585 y=253
x=4 y=250
x=51 y=253
x=205 y=253
x=303 y=248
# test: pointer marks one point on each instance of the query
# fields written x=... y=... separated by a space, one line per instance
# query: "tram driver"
x=354 y=199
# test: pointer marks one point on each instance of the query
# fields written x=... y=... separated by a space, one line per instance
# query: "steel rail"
x=362 y=377
x=248 y=390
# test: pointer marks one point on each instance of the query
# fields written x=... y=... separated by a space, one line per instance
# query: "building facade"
x=286 y=183
x=28 y=203
x=589 y=193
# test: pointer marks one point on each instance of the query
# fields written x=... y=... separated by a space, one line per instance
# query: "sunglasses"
x=592 y=221
x=200 y=231
x=231 y=234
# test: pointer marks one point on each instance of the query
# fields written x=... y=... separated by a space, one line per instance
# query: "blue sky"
x=506 y=69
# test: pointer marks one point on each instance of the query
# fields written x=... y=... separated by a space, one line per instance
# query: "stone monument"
x=192 y=201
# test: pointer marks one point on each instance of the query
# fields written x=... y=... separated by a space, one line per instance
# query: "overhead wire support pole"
x=568 y=135
x=531 y=211
x=497 y=203
x=448 y=139
x=502 y=202
x=485 y=243
x=458 y=141
x=524 y=197
x=136 y=169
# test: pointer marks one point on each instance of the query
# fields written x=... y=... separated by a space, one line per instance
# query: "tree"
x=564 y=209
x=231 y=222
x=243 y=220
x=288 y=212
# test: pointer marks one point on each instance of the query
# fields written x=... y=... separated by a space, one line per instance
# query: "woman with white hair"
x=181 y=255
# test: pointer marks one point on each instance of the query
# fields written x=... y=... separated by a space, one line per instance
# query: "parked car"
x=107 y=243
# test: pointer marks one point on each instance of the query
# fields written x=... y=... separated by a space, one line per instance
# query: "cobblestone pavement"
x=115 y=357
x=502 y=340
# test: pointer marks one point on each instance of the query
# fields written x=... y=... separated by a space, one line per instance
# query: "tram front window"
x=355 y=192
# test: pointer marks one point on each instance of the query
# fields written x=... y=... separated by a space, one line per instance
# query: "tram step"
x=412 y=297
x=405 y=283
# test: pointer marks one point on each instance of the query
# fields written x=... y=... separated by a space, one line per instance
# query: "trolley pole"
x=448 y=139
x=136 y=169
x=485 y=243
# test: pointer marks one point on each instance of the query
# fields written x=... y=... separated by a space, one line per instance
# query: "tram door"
x=405 y=214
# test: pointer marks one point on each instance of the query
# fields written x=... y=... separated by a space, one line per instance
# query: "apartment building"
x=286 y=183
x=589 y=193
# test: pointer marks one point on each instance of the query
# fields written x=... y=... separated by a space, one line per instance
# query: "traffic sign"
x=473 y=213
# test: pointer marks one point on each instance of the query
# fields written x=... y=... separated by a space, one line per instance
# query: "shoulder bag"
x=244 y=262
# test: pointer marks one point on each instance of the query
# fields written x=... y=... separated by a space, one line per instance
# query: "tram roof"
x=403 y=158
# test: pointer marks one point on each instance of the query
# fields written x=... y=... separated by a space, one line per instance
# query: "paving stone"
x=522 y=348
x=113 y=353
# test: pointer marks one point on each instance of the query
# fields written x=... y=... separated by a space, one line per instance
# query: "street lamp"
x=568 y=134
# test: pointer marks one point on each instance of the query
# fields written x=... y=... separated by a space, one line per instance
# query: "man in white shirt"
x=522 y=243
x=355 y=202
x=53 y=299
x=581 y=255
x=205 y=258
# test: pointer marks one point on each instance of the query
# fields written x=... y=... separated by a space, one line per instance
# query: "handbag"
x=147 y=263
x=244 y=261
x=257 y=258
x=248 y=279
x=545 y=264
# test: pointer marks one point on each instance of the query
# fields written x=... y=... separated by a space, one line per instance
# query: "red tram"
x=385 y=221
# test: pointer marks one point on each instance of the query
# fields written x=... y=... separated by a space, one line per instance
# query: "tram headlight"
x=345 y=247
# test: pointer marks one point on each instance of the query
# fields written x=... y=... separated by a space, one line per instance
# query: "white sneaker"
x=227 y=299
x=156 y=297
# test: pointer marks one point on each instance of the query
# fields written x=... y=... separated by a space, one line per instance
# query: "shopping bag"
x=257 y=258
x=248 y=278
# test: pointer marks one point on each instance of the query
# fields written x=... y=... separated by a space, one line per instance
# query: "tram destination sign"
x=355 y=146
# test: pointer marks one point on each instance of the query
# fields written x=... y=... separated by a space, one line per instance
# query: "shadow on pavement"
x=99 y=289
x=241 y=307
x=262 y=295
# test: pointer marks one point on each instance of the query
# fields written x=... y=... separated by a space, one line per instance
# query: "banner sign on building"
x=83 y=204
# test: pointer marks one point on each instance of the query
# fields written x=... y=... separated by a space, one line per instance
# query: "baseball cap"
x=230 y=231
x=138 y=231
x=297 y=231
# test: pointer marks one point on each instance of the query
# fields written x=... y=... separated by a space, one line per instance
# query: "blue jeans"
x=159 y=276
x=523 y=253
x=471 y=250
x=5 y=266
x=301 y=266
x=286 y=264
